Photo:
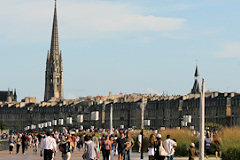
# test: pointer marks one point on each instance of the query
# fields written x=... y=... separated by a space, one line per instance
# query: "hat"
x=192 y=145
x=159 y=136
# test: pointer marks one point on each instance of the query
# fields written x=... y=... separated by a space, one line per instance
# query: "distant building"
x=29 y=100
x=8 y=96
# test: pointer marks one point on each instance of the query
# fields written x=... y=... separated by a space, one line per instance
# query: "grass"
x=183 y=137
x=229 y=138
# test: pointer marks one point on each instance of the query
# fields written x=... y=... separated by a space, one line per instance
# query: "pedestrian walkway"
x=77 y=155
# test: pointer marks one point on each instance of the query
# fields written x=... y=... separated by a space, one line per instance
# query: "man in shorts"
x=122 y=143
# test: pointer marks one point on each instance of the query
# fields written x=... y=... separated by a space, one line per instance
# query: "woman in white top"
x=151 y=143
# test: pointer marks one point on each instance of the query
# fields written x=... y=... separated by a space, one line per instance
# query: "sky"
x=128 y=46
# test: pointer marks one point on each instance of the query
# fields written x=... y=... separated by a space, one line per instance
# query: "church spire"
x=196 y=88
x=54 y=50
x=196 y=72
x=54 y=71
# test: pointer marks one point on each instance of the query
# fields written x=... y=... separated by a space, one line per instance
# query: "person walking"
x=130 y=144
x=106 y=148
x=139 y=142
x=27 y=142
x=101 y=147
x=11 y=144
x=170 y=145
x=218 y=144
x=96 y=142
x=30 y=140
x=207 y=145
x=35 y=143
x=23 y=140
x=122 y=143
x=65 y=149
x=48 y=144
x=113 y=147
x=192 y=152
x=18 y=142
x=159 y=145
x=90 y=152
x=151 y=143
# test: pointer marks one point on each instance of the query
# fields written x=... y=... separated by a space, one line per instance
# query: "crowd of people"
x=159 y=150
x=94 y=144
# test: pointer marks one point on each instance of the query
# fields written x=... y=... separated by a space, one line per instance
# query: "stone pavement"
x=77 y=155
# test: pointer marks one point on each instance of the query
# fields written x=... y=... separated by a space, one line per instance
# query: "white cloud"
x=25 y=19
x=229 y=50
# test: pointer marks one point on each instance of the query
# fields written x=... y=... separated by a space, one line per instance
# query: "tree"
x=213 y=126
x=3 y=126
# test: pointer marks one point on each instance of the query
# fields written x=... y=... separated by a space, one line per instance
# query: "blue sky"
x=143 y=46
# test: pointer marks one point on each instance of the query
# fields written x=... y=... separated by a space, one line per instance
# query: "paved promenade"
x=77 y=155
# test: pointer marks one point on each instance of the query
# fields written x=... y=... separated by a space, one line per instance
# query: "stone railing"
x=4 y=145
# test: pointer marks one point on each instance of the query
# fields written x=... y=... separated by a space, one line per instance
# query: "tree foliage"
x=214 y=126
x=3 y=126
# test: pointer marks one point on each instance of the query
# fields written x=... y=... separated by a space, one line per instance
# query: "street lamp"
x=142 y=107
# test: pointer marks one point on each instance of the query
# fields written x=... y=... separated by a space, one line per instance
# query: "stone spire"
x=54 y=69
x=54 y=49
x=196 y=88
x=196 y=72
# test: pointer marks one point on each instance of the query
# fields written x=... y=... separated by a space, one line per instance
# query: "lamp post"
x=202 y=120
x=142 y=106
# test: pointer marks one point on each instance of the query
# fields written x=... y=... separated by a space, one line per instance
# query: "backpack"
x=64 y=147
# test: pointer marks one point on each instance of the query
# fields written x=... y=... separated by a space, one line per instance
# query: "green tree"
x=18 y=126
x=3 y=126
x=214 y=126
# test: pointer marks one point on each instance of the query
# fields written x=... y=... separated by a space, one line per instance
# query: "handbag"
x=151 y=152
x=11 y=144
x=162 y=151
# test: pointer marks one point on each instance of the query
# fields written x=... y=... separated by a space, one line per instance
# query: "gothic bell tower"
x=54 y=66
x=196 y=88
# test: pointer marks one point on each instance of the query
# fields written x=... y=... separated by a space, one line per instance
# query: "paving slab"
x=76 y=155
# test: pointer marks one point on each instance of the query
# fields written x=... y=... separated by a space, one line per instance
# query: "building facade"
x=160 y=111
